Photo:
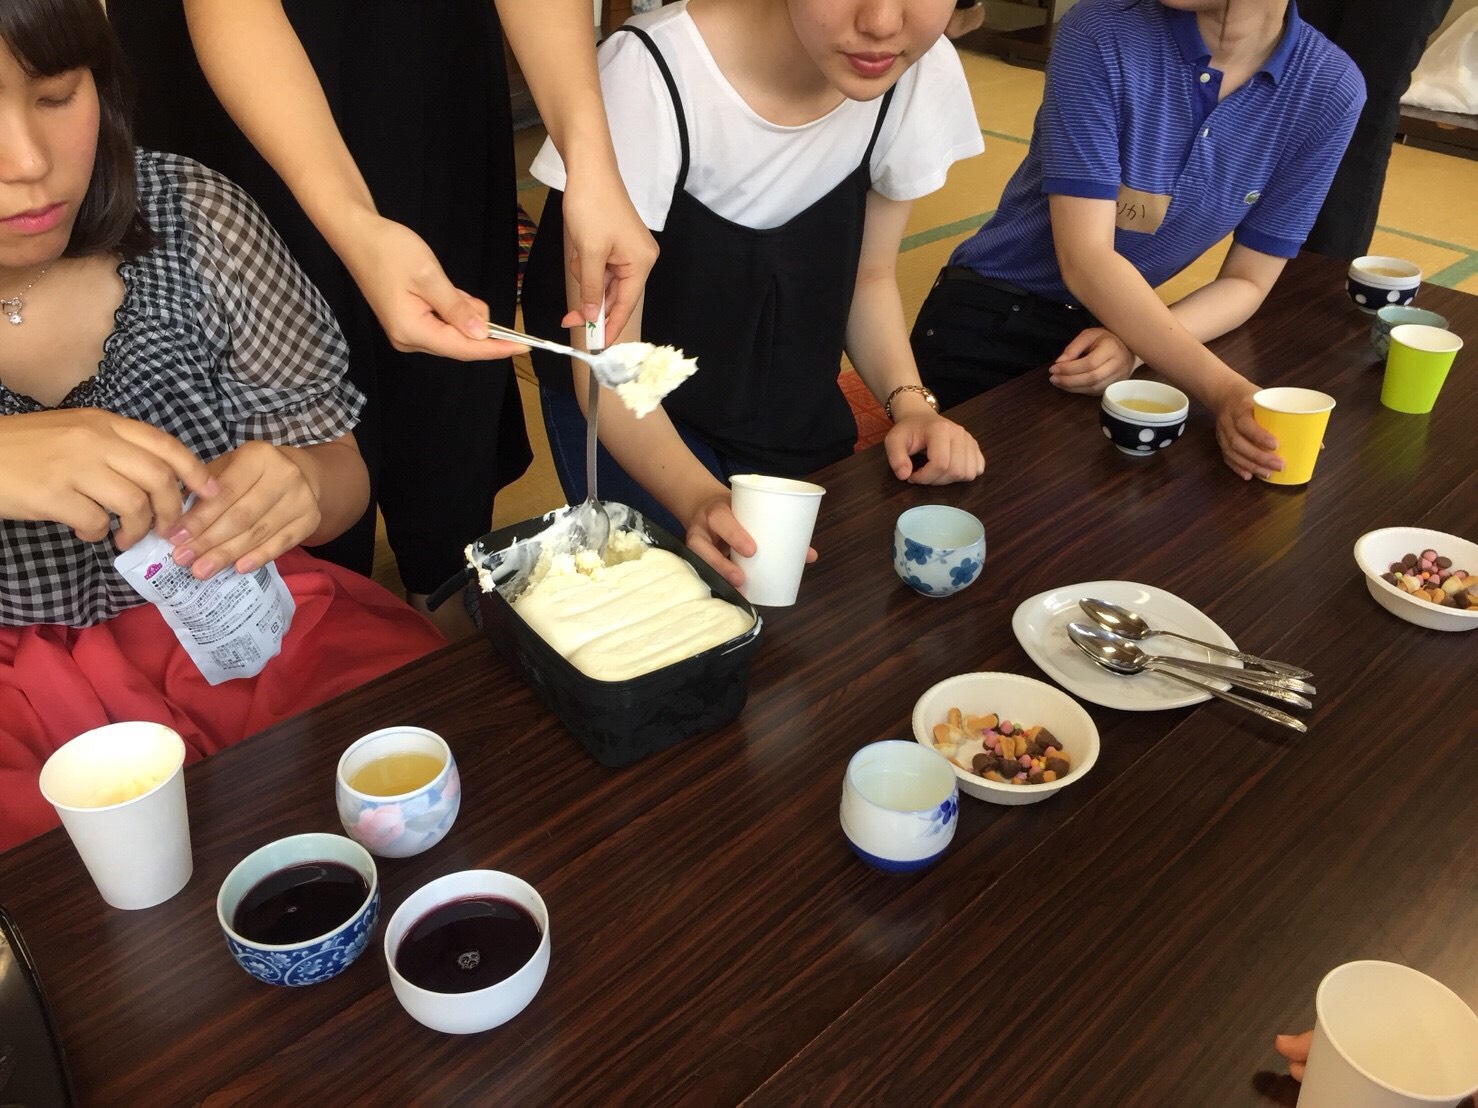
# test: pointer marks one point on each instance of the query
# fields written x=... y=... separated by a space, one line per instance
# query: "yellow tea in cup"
x=1297 y=419
x=394 y=774
x=1146 y=406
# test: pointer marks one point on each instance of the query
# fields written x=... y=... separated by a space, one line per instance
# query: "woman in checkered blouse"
x=158 y=336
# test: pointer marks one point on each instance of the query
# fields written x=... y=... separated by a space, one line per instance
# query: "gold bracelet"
x=928 y=396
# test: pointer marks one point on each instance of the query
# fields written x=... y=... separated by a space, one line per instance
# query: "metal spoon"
x=1269 y=685
x=1243 y=678
x=613 y=367
x=1121 y=656
x=588 y=519
x=1132 y=626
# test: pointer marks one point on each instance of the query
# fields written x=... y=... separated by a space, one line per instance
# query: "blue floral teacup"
x=938 y=550
x=900 y=805
x=398 y=791
x=318 y=957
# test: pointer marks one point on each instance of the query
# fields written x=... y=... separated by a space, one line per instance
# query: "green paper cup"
x=1416 y=366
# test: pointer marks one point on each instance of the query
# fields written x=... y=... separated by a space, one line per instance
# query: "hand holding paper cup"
x=120 y=793
x=779 y=515
x=1297 y=419
x=1416 y=367
x=1388 y=1036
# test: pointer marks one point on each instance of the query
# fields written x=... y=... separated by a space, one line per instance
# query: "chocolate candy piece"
x=1409 y=560
x=1034 y=777
x=1058 y=765
x=1047 y=738
x=984 y=762
x=1443 y=562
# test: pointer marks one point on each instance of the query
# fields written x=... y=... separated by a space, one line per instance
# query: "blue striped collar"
x=1194 y=50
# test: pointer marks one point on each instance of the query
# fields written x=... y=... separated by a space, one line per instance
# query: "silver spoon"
x=1131 y=626
x=613 y=367
x=1244 y=678
x=589 y=516
x=1124 y=657
x=1269 y=685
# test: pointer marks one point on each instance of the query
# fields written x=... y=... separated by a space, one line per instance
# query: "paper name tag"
x=1140 y=211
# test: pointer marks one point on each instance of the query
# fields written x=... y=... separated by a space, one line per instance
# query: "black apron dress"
x=420 y=94
x=764 y=312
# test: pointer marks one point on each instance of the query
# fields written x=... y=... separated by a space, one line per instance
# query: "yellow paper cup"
x=1296 y=418
x=1416 y=366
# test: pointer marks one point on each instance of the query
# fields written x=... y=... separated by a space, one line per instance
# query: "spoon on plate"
x=1131 y=625
x=1124 y=657
x=1270 y=685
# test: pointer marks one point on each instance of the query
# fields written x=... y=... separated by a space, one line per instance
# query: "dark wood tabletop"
x=1137 y=938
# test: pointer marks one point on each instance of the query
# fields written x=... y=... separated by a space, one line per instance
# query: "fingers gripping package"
x=634 y=651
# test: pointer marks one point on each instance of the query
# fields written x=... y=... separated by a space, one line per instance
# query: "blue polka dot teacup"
x=938 y=550
x=1141 y=417
x=1376 y=281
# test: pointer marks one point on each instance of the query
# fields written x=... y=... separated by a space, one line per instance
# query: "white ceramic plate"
x=1041 y=627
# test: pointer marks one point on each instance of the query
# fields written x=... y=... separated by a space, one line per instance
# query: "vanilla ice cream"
x=628 y=616
x=659 y=370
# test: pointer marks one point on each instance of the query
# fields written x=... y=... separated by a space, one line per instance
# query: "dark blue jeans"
x=565 y=424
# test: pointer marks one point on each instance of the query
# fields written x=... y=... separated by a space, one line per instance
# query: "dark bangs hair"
x=50 y=37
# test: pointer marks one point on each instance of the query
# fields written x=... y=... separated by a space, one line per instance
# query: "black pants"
x=1385 y=39
x=972 y=335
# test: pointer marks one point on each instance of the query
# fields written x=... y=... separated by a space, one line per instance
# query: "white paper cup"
x=120 y=792
x=1387 y=1036
x=779 y=514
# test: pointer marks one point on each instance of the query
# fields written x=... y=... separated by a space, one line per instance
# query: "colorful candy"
x=1001 y=750
x=1429 y=576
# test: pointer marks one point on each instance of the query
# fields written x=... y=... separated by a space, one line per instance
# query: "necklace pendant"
x=11 y=306
x=15 y=318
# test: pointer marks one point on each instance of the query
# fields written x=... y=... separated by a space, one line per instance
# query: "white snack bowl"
x=1376 y=550
x=1019 y=699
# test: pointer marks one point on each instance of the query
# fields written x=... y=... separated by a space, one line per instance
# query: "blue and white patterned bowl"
x=938 y=550
x=900 y=805
x=1375 y=281
x=1135 y=431
x=316 y=959
x=398 y=826
x=1394 y=315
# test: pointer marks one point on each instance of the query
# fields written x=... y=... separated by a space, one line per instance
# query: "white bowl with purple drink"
x=468 y=951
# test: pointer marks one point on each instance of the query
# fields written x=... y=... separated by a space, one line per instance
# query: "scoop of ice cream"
x=659 y=370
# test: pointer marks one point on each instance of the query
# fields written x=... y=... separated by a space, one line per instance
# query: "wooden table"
x=1136 y=939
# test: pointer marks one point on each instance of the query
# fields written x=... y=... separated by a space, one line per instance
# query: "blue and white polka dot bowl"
x=316 y=959
x=900 y=805
x=1376 y=281
x=938 y=550
x=1141 y=417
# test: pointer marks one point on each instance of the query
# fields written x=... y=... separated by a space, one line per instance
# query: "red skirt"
x=56 y=682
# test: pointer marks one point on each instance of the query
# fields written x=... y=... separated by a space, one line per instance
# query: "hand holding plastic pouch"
x=231 y=625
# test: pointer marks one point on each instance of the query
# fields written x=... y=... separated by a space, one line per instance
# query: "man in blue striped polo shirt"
x=1165 y=125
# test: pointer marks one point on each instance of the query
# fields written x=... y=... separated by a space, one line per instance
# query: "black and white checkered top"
x=220 y=339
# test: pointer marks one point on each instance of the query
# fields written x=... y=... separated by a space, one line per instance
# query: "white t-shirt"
x=753 y=172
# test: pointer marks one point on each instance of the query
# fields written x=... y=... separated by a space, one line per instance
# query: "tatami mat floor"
x=1427 y=215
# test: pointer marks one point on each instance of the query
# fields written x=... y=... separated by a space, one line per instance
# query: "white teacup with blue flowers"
x=938 y=550
x=398 y=820
x=900 y=805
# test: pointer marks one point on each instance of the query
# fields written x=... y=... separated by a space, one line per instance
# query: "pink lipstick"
x=36 y=220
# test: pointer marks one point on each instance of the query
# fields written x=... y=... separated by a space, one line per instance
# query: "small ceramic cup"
x=1376 y=280
x=478 y=1009
x=315 y=959
x=1394 y=315
x=400 y=824
x=900 y=805
x=938 y=550
x=1142 y=417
